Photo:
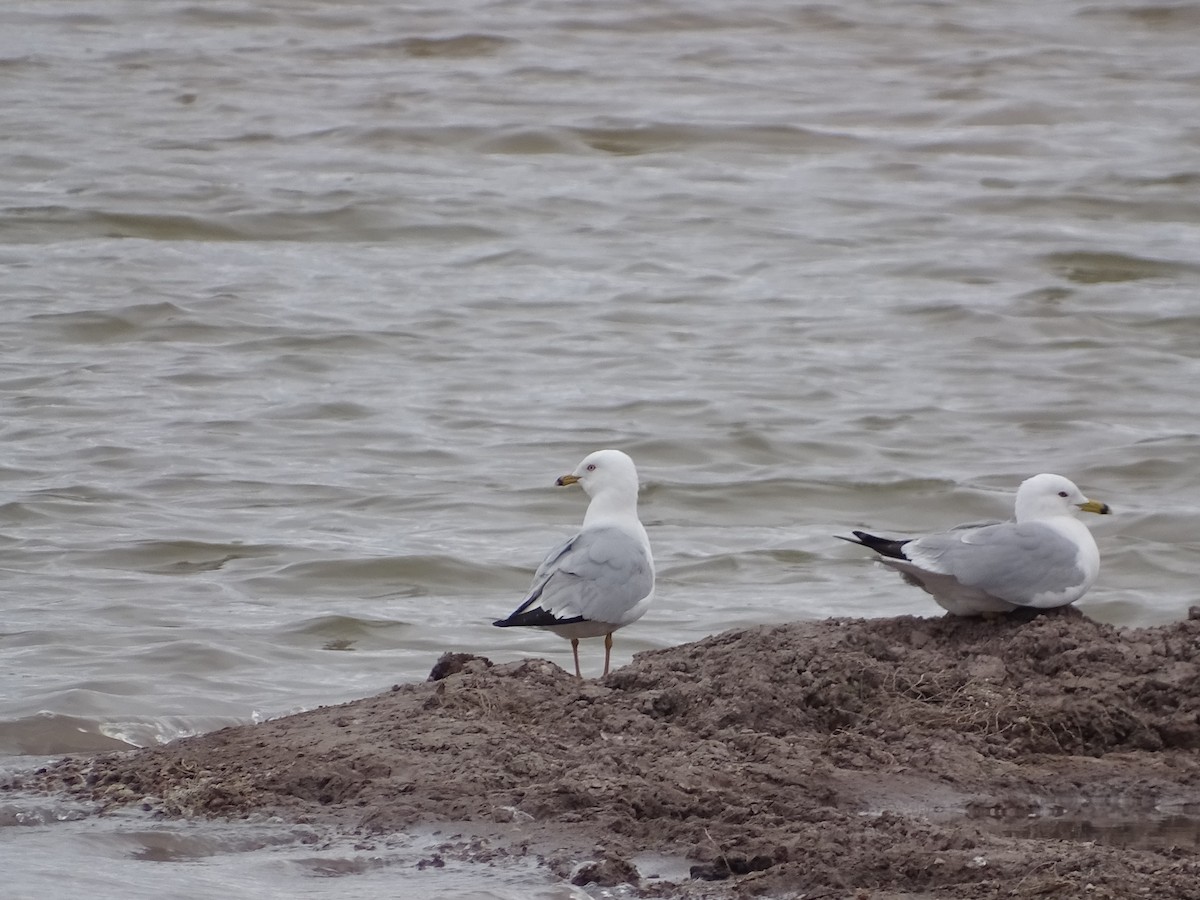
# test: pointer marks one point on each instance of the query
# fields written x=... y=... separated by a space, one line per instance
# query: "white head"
x=1044 y=496
x=605 y=471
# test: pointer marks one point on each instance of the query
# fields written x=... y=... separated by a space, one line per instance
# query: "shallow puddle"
x=129 y=855
x=1115 y=825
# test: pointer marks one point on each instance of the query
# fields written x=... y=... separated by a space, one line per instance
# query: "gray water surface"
x=307 y=304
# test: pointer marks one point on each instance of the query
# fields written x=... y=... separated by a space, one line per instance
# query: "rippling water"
x=306 y=304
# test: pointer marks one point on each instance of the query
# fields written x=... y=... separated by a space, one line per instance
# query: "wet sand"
x=883 y=758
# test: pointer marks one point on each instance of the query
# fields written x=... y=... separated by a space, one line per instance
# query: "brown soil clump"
x=844 y=758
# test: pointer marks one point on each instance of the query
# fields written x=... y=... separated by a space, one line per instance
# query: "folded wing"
x=597 y=576
x=1018 y=563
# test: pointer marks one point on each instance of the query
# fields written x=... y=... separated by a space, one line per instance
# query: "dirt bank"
x=844 y=758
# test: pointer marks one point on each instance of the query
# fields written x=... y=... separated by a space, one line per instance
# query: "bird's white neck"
x=615 y=504
x=1030 y=511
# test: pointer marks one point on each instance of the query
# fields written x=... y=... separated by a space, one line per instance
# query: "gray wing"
x=598 y=575
x=1015 y=562
x=552 y=557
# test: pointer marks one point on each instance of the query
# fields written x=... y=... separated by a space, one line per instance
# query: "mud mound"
x=835 y=756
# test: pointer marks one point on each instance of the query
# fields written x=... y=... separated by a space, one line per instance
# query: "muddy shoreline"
x=842 y=758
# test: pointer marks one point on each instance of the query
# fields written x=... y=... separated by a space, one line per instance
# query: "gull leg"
x=607 y=651
x=575 y=650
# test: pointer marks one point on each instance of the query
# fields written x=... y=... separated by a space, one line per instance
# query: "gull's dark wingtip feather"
x=882 y=546
x=535 y=618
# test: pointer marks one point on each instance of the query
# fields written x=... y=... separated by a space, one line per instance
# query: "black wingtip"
x=882 y=546
x=535 y=618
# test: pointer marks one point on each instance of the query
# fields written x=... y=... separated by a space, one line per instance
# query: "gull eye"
x=1063 y=494
x=592 y=468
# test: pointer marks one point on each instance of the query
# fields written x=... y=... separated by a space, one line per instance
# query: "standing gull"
x=1046 y=558
x=603 y=578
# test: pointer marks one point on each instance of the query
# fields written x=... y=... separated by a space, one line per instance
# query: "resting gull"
x=1043 y=559
x=603 y=578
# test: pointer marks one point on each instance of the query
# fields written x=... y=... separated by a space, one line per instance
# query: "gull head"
x=1044 y=496
x=603 y=470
